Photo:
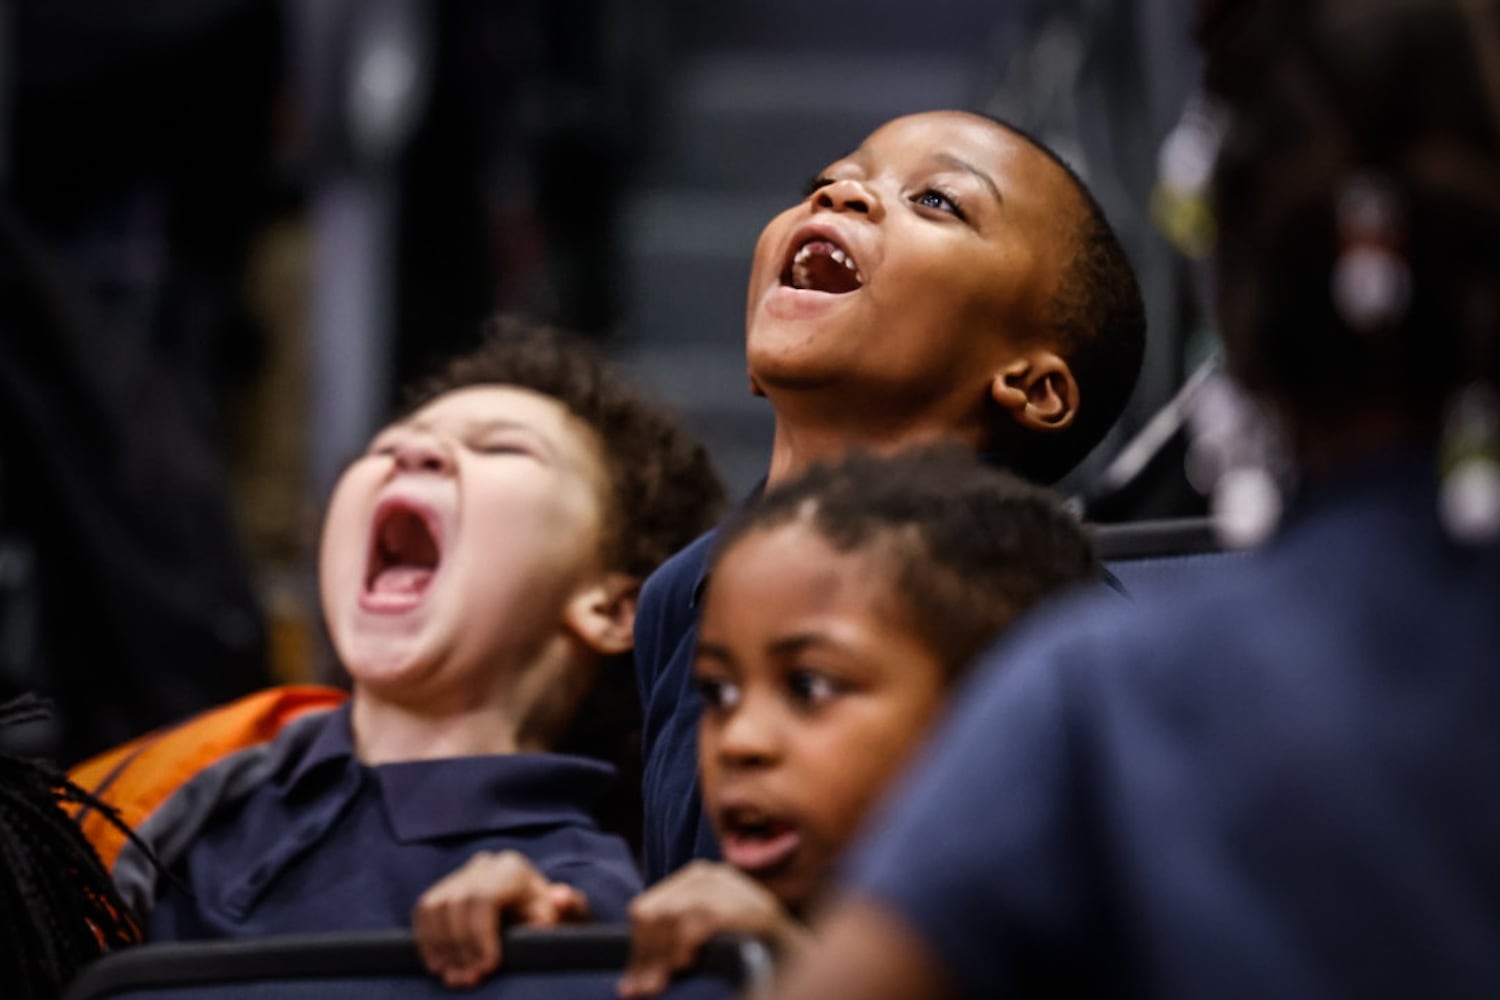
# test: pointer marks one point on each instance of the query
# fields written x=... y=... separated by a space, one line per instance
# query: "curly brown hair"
x=663 y=489
x=663 y=493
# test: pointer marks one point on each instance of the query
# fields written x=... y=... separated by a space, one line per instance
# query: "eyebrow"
x=713 y=651
x=798 y=641
x=959 y=163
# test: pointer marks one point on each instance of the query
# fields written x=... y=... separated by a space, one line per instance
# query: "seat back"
x=565 y=962
x=1144 y=555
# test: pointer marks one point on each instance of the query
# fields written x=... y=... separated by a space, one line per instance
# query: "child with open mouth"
x=948 y=278
x=479 y=569
x=841 y=609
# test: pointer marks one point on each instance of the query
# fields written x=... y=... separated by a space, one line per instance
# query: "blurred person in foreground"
x=1280 y=782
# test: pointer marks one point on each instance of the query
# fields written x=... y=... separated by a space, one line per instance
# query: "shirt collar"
x=428 y=799
x=332 y=741
x=700 y=580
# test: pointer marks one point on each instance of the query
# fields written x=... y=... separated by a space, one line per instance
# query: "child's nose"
x=748 y=739
x=849 y=195
x=423 y=453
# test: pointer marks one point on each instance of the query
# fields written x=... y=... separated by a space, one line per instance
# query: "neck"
x=523 y=711
x=387 y=732
x=801 y=443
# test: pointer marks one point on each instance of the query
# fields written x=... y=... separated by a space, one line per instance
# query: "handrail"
x=742 y=961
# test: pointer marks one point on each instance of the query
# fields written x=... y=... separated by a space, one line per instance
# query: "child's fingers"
x=431 y=945
x=441 y=951
x=649 y=936
x=477 y=931
x=457 y=921
x=665 y=938
x=569 y=904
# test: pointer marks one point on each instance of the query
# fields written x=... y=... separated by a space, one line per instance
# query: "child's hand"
x=457 y=921
x=671 y=921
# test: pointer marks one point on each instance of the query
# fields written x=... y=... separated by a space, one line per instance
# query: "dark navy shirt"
x=1281 y=782
x=331 y=844
x=666 y=632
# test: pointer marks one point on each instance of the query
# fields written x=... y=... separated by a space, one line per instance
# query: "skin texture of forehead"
x=1030 y=154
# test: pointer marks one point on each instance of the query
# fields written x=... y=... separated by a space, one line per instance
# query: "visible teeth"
x=800 y=274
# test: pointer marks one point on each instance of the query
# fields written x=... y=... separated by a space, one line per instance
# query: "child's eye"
x=498 y=448
x=716 y=693
x=935 y=199
x=811 y=689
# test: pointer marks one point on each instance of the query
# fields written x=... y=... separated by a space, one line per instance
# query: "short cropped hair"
x=1099 y=319
x=969 y=548
x=664 y=491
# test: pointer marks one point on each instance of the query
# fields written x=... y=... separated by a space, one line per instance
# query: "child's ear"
x=1038 y=390
x=602 y=613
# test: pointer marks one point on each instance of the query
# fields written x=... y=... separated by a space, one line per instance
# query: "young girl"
x=842 y=607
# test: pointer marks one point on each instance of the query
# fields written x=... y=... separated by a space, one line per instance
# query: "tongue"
x=401 y=580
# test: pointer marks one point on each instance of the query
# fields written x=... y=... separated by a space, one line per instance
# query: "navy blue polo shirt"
x=331 y=844
x=666 y=633
x=1281 y=782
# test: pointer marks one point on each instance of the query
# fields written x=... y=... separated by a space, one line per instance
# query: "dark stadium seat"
x=582 y=962
x=1144 y=554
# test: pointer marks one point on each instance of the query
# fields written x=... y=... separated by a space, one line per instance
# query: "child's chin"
x=380 y=664
x=792 y=889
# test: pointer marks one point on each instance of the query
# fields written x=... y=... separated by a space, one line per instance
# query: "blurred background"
x=231 y=229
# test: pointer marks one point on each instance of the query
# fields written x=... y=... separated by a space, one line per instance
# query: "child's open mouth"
x=821 y=265
x=404 y=556
x=755 y=842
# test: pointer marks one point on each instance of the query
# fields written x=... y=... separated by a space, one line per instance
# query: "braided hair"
x=59 y=909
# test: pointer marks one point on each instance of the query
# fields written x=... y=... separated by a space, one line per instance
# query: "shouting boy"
x=479 y=570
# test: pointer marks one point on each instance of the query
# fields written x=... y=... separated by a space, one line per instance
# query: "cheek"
x=525 y=533
x=341 y=552
x=860 y=764
x=767 y=260
x=846 y=773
